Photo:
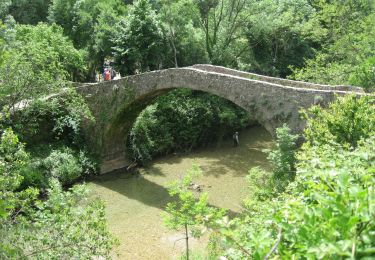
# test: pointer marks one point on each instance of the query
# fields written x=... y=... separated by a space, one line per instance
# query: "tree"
x=346 y=121
x=4 y=8
x=188 y=211
x=279 y=34
x=283 y=157
x=104 y=32
x=59 y=224
x=29 y=12
x=348 y=44
x=222 y=22
x=326 y=212
x=90 y=24
x=138 y=44
x=185 y=39
x=37 y=64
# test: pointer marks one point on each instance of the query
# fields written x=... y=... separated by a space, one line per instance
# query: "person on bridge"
x=235 y=139
x=107 y=75
x=113 y=73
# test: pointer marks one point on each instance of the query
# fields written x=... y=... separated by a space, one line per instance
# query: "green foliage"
x=57 y=118
x=28 y=12
x=283 y=158
x=13 y=159
x=80 y=18
x=365 y=75
x=38 y=61
x=261 y=186
x=50 y=50
x=57 y=161
x=188 y=210
x=38 y=219
x=327 y=211
x=67 y=113
x=279 y=35
x=91 y=26
x=4 y=8
x=349 y=32
x=186 y=42
x=320 y=41
x=265 y=185
x=345 y=121
x=223 y=24
x=344 y=190
x=326 y=214
x=183 y=120
x=60 y=226
x=63 y=165
x=139 y=40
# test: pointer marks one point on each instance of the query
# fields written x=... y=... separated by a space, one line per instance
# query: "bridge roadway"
x=270 y=101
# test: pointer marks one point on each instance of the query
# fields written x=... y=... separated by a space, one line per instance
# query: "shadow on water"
x=139 y=188
x=222 y=166
x=135 y=186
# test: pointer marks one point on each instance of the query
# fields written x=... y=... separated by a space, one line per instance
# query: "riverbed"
x=135 y=202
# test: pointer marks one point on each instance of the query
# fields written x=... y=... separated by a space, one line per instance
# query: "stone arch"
x=116 y=104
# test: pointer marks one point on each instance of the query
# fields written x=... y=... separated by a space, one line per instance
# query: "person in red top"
x=107 y=75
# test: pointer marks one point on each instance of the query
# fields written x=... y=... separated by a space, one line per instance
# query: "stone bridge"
x=270 y=101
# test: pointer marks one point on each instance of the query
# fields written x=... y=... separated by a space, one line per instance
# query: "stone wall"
x=116 y=104
x=284 y=82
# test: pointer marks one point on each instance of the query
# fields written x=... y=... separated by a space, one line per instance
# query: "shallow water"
x=135 y=202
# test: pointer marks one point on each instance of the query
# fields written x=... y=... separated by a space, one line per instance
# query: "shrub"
x=327 y=212
x=365 y=75
x=60 y=162
x=283 y=157
x=345 y=121
x=63 y=165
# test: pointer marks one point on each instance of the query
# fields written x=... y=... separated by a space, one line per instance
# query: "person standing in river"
x=235 y=139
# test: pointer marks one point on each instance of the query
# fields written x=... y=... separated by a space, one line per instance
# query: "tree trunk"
x=187 y=242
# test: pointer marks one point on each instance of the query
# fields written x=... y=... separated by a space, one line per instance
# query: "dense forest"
x=319 y=41
x=316 y=203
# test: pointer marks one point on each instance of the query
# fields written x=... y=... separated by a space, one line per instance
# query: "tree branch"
x=273 y=249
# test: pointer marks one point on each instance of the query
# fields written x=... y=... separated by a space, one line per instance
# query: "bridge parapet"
x=279 y=81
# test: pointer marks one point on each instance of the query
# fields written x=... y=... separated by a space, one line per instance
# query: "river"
x=135 y=202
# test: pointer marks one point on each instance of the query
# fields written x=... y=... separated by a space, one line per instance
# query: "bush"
x=265 y=185
x=283 y=158
x=60 y=162
x=327 y=211
x=345 y=121
x=365 y=75
x=325 y=214
x=59 y=225
x=63 y=165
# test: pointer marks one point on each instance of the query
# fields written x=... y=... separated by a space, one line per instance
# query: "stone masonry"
x=270 y=101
